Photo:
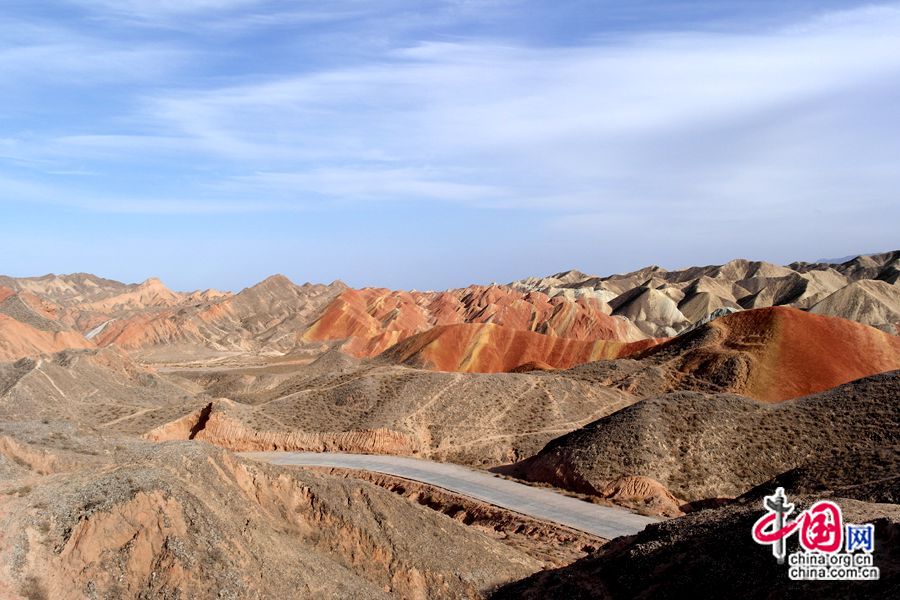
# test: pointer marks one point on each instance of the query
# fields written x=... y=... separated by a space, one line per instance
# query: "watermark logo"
x=829 y=550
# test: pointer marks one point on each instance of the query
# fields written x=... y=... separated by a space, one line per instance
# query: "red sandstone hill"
x=775 y=354
x=18 y=340
x=374 y=319
x=490 y=348
x=28 y=327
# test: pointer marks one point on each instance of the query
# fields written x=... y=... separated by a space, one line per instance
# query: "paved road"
x=602 y=521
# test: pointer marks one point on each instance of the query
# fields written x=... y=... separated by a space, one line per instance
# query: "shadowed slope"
x=710 y=554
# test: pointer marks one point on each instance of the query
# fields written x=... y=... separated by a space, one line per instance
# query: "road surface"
x=603 y=521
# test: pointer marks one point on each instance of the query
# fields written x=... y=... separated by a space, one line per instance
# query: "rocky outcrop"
x=644 y=494
x=212 y=424
x=490 y=348
x=191 y=520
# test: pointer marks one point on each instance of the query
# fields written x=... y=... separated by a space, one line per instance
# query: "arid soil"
x=489 y=348
x=103 y=389
x=477 y=419
x=554 y=545
x=710 y=554
x=86 y=516
x=774 y=354
x=703 y=446
x=688 y=394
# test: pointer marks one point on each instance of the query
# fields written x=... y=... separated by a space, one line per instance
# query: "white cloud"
x=50 y=55
x=156 y=8
x=225 y=16
x=14 y=190
x=681 y=123
x=365 y=184
x=651 y=119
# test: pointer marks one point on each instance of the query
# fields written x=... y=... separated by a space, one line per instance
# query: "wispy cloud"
x=231 y=16
x=160 y=8
x=34 y=53
x=650 y=119
x=660 y=128
x=365 y=185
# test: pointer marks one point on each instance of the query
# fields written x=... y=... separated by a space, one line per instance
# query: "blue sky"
x=432 y=144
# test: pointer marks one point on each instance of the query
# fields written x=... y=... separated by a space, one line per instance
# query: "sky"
x=426 y=144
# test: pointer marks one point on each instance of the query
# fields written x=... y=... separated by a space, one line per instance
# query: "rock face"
x=279 y=317
x=489 y=348
x=189 y=520
x=372 y=320
x=720 y=445
x=29 y=327
x=150 y=293
x=213 y=424
x=643 y=493
x=774 y=354
x=155 y=322
x=119 y=404
x=698 y=305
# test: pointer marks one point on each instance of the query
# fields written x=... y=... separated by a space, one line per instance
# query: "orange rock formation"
x=490 y=348
x=374 y=319
x=778 y=353
x=18 y=340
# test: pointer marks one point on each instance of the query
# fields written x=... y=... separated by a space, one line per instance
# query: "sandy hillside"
x=112 y=517
x=463 y=417
x=703 y=446
x=774 y=354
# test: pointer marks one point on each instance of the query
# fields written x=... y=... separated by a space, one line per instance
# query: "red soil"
x=374 y=319
x=489 y=348
x=18 y=340
x=778 y=353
